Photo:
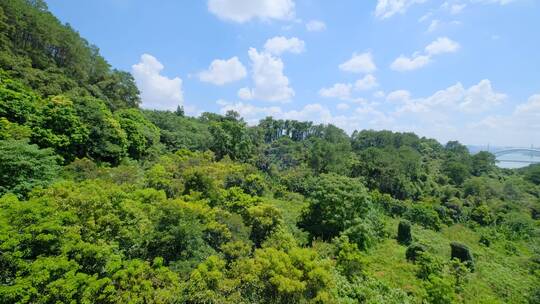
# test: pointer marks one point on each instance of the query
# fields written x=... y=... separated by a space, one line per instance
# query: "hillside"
x=104 y=202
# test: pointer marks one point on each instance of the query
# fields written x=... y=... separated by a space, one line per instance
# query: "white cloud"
x=454 y=113
x=501 y=2
x=403 y=63
x=425 y=17
x=315 y=112
x=478 y=98
x=399 y=96
x=453 y=8
x=360 y=100
x=442 y=45
x=367 y=83
x=338 y=90
x=519 y=128
x=280 y=44
x=251 y=113
x=418 y=60
x=245 y=93
x=433 y=26
x=270 y=83
x=342 y=106
x=343 y=91
x=157 y=91
x=481 y=97
x=531 y=108
x=244 y=10
x=359 y=63
x=388 y=8
x=379 y=94
x=315 y=26
x=221 y=71
x=361 y=117
x=449 y=114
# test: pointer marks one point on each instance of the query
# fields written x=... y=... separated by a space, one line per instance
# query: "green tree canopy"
x=335 y=202
x=24 y=167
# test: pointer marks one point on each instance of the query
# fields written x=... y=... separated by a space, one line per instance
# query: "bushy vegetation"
x=101 y=202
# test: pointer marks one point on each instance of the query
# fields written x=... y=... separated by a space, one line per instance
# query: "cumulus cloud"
x=418 y=60
x=280 y=44
x=404 y=63
x=447 y=114
x=388 y=8
x=244 y=10
x=315 y=111
x=343 y=91
x=252 y=114
x=367 y=83
x=531 y=108
x=222 y=71
x=478 y=98
x=244 y=93
x=360 y=117
x=315 y=26
x=399 y=96
x=518 y=128
x=433 y=26
x=453 y=8
x=481 y=97
x=454 y=113
x=442 y=45
x=338 y=90
x=379 y=94
x=425 y=17
x=501 y=2
x=359 y=63
x=270 y=84
x=157 y=91
x=342 y=106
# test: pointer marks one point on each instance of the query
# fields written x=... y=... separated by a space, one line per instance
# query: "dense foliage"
x=101 y=202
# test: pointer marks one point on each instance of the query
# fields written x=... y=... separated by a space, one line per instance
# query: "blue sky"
x=457 y=69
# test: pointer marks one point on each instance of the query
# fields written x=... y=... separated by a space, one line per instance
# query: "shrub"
x=534 y=263
x=252 y=184
x=461 y=252
x=482 y=215
x=336 y=202
x=534 y=296
x=440 y=291
x=349 y=259
x=454 y=209
x=424 y=215
x=404 y=235
x=444 y=215
x=198 y=181
x=414 y=250
x=391 y=206
x=518 y=226
x=263 y=219
x=485 y=240
x=24 y=167
x=459 y=272
x=428 y=265
x=362 y=234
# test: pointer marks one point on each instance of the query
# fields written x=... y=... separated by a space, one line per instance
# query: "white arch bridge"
x=533 y=153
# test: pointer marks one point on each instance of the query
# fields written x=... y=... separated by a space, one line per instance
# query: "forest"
x=104 y=202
